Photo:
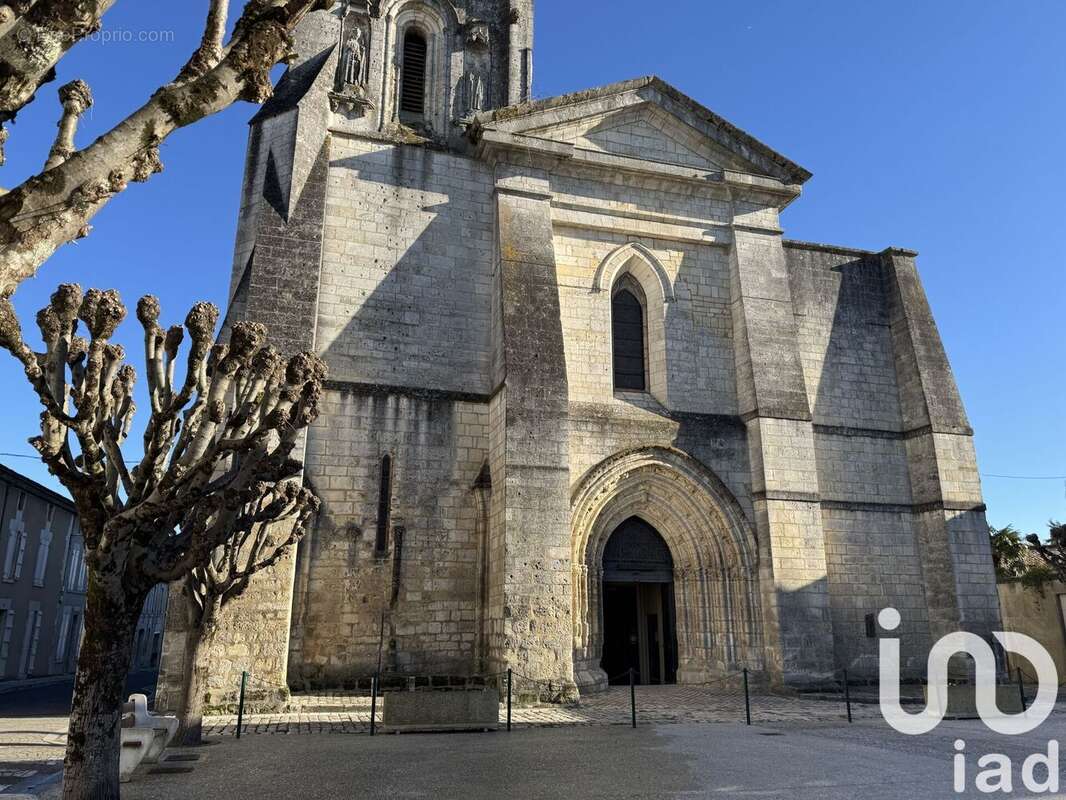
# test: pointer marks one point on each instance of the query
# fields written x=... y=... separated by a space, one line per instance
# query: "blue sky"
x=935 y=126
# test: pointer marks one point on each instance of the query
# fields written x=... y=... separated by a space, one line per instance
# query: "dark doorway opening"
x=639 y=626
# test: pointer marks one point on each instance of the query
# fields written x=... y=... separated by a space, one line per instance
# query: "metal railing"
x=513 y=685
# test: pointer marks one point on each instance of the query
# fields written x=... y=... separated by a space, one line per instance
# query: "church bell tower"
x=376 y=72
x=425 y=67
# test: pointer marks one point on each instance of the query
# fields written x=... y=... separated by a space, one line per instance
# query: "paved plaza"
x=33 y=727
x=795 y=760
x=690 y=742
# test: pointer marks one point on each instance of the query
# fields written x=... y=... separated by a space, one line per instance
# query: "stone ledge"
x=881 y=433
x=417 y=393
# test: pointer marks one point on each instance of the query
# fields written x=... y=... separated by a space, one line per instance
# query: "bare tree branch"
x=38 y=35
x=209 y=53
x=55 y=207
x=76 y=99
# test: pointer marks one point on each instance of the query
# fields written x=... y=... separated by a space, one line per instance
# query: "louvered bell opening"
x=413 y=87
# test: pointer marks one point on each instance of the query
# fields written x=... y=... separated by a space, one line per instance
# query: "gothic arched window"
x=627 y=337
x=413 y=74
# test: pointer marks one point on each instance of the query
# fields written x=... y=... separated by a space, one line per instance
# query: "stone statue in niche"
x=475 y=79
x=475 y=92
x=353 y=59
x=350 y=87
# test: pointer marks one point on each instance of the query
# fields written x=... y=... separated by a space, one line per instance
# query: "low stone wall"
x=473 y=709
x=962 y=700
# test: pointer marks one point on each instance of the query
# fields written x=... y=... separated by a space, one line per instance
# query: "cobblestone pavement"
x=350 y=713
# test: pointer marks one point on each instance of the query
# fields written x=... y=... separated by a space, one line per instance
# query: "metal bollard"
x=747 y=698
x=1021 y=688
x=373 y=704
x=508 y=698
x=847 y=695
x=240 y=703
x=633 y=696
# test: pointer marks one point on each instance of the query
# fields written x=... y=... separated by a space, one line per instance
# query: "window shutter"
x=21 y=553
x=7 y=623
x=41 y=566
x=64 y=632
x=9 y=554
x=32 y=659
x=8 y=619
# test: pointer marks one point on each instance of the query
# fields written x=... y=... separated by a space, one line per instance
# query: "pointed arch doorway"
x=716 y=579
x=639 y=621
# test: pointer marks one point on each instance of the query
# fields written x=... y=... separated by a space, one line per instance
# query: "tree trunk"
x=197 y=668
x=93 y=738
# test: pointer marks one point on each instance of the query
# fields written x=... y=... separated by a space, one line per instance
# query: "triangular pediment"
x=647 y=120
x=645 y=132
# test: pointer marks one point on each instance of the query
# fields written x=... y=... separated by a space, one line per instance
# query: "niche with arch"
x=418 y=71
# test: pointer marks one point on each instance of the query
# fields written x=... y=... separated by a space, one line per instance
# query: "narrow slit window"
x=627 y=330
x=381 y=542
x=413 y=78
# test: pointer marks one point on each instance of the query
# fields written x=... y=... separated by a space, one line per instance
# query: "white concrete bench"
x=136 y=742
x=144 y=735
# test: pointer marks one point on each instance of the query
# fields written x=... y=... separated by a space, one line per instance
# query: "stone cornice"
x=496 y=145
x=795 y=244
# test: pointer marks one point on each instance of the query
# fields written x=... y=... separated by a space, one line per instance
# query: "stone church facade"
x=588 y=408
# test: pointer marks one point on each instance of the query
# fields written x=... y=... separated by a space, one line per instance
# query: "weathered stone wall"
x=844 y=337
x=531 y=584
x=1036 y=612
x=425 y=580
x=670 y=238
x=864 y=476
x=691 y=403
x=692 y=400
x=403 y=323
x=773 y=400
x=949 y=512
x=688 y=317
x=639 y=133
x=407 y=268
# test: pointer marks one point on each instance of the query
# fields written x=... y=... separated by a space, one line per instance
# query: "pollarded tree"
x=56 y=206
x=216 y=471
